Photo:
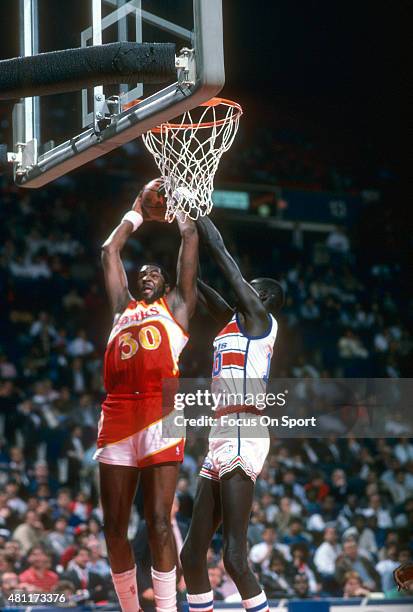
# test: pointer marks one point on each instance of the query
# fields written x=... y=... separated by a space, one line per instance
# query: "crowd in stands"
x=331 y=516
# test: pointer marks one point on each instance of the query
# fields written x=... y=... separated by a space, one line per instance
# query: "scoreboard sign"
x=292 y=205
x=320 y=207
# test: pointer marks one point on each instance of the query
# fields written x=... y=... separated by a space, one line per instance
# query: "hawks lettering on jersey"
x=143 y=349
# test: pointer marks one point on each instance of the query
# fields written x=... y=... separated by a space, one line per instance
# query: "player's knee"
x=114 y=533
x=235 y=562
x=159 y=528
x=189 y=557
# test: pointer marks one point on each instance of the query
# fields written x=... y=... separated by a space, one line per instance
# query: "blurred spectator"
x=72 y=301
x=6 y=563
x=67 y=589
x=43 y=330
x=39 y=574
x=301 y=586
x=29 y=532
x=14 y=501
x=353 y=586
x=215 y=579
x=80 y=346
x=304 y=566
x=183 y=492
x=79 y=573
x=295 y=533
x=400 y=487
x=60 y=538
x=97 y=563
x=14 y=552
x=77 y=570
x=78 y=376
x=382 y=514
x=352 y=561
x=326 y=554
x=404 y=450
x=350 y=346
x=63 y=505
x=339 y=487
x=261 y=553
x=7 y=368
x=9 y=585
x=365 y=536
x=284 y=516
x=277 y=580
x=41 y=475
x=337 y=241
x=386 y=567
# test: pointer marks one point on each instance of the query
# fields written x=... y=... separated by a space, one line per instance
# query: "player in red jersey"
x=146 y=340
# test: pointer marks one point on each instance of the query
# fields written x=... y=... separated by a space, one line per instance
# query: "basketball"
x=153 y=201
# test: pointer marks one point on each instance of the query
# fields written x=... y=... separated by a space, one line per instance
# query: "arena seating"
x=331 y=517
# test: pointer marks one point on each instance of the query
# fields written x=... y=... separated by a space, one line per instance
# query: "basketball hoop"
x=188 y=152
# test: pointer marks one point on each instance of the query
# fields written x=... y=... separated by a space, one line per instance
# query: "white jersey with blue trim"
x=242 y=362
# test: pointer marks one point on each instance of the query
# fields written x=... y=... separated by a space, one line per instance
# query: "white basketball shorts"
x=235 y=443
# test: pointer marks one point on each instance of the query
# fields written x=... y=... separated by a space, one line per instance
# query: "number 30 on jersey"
x=149 y=338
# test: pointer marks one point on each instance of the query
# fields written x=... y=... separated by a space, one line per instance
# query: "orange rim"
x=206 y=124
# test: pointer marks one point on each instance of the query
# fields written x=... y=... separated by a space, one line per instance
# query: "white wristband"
x=133 y=217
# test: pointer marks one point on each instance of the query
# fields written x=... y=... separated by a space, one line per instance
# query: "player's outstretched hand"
x=403 y=576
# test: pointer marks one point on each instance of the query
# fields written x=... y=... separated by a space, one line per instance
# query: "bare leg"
x=237 y=491
x=118 y=485
x=206 y=518
x=158 y=485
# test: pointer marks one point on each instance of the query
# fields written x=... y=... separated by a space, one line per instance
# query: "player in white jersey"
x=242 y=357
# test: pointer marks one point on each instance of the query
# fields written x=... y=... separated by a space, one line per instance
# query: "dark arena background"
x=310 y=194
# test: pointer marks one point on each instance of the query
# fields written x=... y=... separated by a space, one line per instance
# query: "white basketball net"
x=188 y=152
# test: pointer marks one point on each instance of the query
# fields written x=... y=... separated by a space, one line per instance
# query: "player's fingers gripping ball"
x=152 y=201
x=403 y=576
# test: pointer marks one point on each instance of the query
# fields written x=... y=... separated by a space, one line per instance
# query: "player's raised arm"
x=249 y=302
x=182 y=299
x=116 y=281
x=217 y=307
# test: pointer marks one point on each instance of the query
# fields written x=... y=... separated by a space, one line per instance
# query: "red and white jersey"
x=143 y=348
x=242 y=362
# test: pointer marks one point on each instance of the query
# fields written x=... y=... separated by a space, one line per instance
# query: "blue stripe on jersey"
x=244 y=390
x=244 y=333
x=259 y=607
x=245 y=368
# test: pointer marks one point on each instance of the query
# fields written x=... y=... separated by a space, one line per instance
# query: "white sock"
x=258 y=603
x=203 y=602
x=164 y=590
x=127 y=590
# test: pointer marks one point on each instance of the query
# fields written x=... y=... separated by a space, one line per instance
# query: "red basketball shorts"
x=133 y=431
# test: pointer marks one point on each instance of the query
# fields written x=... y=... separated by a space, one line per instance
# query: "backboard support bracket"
x=200 y=76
